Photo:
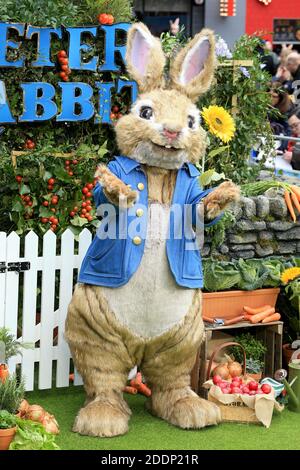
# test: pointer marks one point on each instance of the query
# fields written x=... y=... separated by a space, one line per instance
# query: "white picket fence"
x=18 y=297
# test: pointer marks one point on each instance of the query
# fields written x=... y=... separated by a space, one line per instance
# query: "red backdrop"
x=259 y=17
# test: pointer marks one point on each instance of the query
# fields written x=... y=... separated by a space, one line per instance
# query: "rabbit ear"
x=193 y=68
x=145 y=59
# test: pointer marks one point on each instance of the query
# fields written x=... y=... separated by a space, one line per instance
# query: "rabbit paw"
x=221 y=197
x=114 y=189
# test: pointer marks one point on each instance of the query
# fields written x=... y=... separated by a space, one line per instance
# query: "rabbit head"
x=163 y=127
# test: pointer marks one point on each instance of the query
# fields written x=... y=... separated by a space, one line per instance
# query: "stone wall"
x=263 y=228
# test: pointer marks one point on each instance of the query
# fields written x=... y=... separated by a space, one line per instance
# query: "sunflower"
x=289 y=274
x=219 y=122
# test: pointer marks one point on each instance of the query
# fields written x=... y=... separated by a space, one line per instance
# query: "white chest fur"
x=151 y=303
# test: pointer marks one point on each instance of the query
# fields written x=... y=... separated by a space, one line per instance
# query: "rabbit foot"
x=221 y=197
x=101 y=419
x=116 y=191
x=189 y=412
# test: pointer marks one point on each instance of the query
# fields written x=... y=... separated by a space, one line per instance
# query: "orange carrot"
x=131 y=390
x=137 y=380
x=260 y=316
x=289 y=204
x=253 y=311
x=275 y=317
x=296 y=190
x=142 y=388
x=295 y=201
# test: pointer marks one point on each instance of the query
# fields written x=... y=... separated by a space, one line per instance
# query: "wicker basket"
x=234 y=412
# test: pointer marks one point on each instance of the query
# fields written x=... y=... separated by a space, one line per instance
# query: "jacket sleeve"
x=99 y=196
x=195 y=196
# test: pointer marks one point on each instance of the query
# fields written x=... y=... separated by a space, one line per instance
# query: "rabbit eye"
x=146 y=112
x=191 y=122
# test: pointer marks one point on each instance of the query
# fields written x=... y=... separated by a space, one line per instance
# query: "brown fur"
x=104 y=351
x=201 y=83
x=155 y=67
x=161 y=184
x=171 y=109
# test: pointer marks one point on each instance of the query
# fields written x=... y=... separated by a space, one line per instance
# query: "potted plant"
x=291 y=284
x=255 y=352
x=9 y=347
x=7 y=429
x=231 y=285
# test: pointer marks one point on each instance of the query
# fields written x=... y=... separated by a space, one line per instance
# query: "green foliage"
x=12 y=347
x=7 y=420
x=32 y=436
x=253 y=103
x=253 y=366
x=120 y=9
x=217 y=232
x=241 y=274
x=88 y=142
x=57 y=12
x=292 y=291
x=254 y=348
x=12 y=392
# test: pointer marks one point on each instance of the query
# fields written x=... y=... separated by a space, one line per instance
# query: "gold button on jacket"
x=139 y=212
x=137 y=240
x=140 y=186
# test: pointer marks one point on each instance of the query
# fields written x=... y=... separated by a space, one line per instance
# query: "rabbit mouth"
x=165 y=146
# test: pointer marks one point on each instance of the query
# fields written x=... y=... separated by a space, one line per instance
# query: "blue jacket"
x=111 y=261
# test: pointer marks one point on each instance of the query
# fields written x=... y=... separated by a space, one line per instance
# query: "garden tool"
x=292 y=388
x=222 y=322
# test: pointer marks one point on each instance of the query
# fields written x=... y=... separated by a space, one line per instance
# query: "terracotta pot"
x=6 y=436
x=256 y=377
x=229 y=304
x=4 y=372
x=287 y=352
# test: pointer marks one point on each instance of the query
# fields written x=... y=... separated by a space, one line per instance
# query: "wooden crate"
x=237 y=413
x=270 y=334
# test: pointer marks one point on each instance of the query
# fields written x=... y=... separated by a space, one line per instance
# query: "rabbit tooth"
x=168 y=146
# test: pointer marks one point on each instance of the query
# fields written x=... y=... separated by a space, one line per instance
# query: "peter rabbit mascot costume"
x=138 y=300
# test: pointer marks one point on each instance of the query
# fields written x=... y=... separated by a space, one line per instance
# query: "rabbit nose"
x=171 y=135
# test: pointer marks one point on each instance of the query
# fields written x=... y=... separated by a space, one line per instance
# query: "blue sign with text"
x=39 y=97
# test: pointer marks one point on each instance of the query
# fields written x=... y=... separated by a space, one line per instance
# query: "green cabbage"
x=32 y=436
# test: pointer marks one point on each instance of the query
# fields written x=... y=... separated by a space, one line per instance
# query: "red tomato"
x=67 y=162
x=70 y=173
x=75 y=209
x=89 y=217
x=89 y=208
x=115 y=109
x=90 y=185
x=88 y=194
x=83 y=211
x=19 y=178
x=45 y=203
x=85 y=190
x=63 y=61
x=51 y=181
x=53 y=227
x=217 y=380
x=63 y=75
x=253 y=385
x=110 y=19
x=54 y=200
x=266 y=388
x=62 y=54
x=72 y=213
x=64 y=68
x=84 y=204
x=53 y=209
x=75 y=162
x=44 y=220
x=102 y=18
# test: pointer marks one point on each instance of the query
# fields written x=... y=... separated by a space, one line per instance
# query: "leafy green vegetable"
x=32 y=436
x=7 y=420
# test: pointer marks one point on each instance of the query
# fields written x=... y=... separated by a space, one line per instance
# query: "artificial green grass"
x=150 y=433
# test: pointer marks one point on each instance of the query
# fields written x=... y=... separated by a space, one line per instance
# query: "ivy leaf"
x=45 y=212
x=61 y=174
x=47 y=175
x=210 y=175
x=78 y=221
x=18 y=207
x=24 y=189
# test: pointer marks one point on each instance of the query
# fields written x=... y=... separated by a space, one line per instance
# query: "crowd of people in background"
x=285 y=71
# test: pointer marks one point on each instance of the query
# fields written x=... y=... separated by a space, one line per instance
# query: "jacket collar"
x=127 y=165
